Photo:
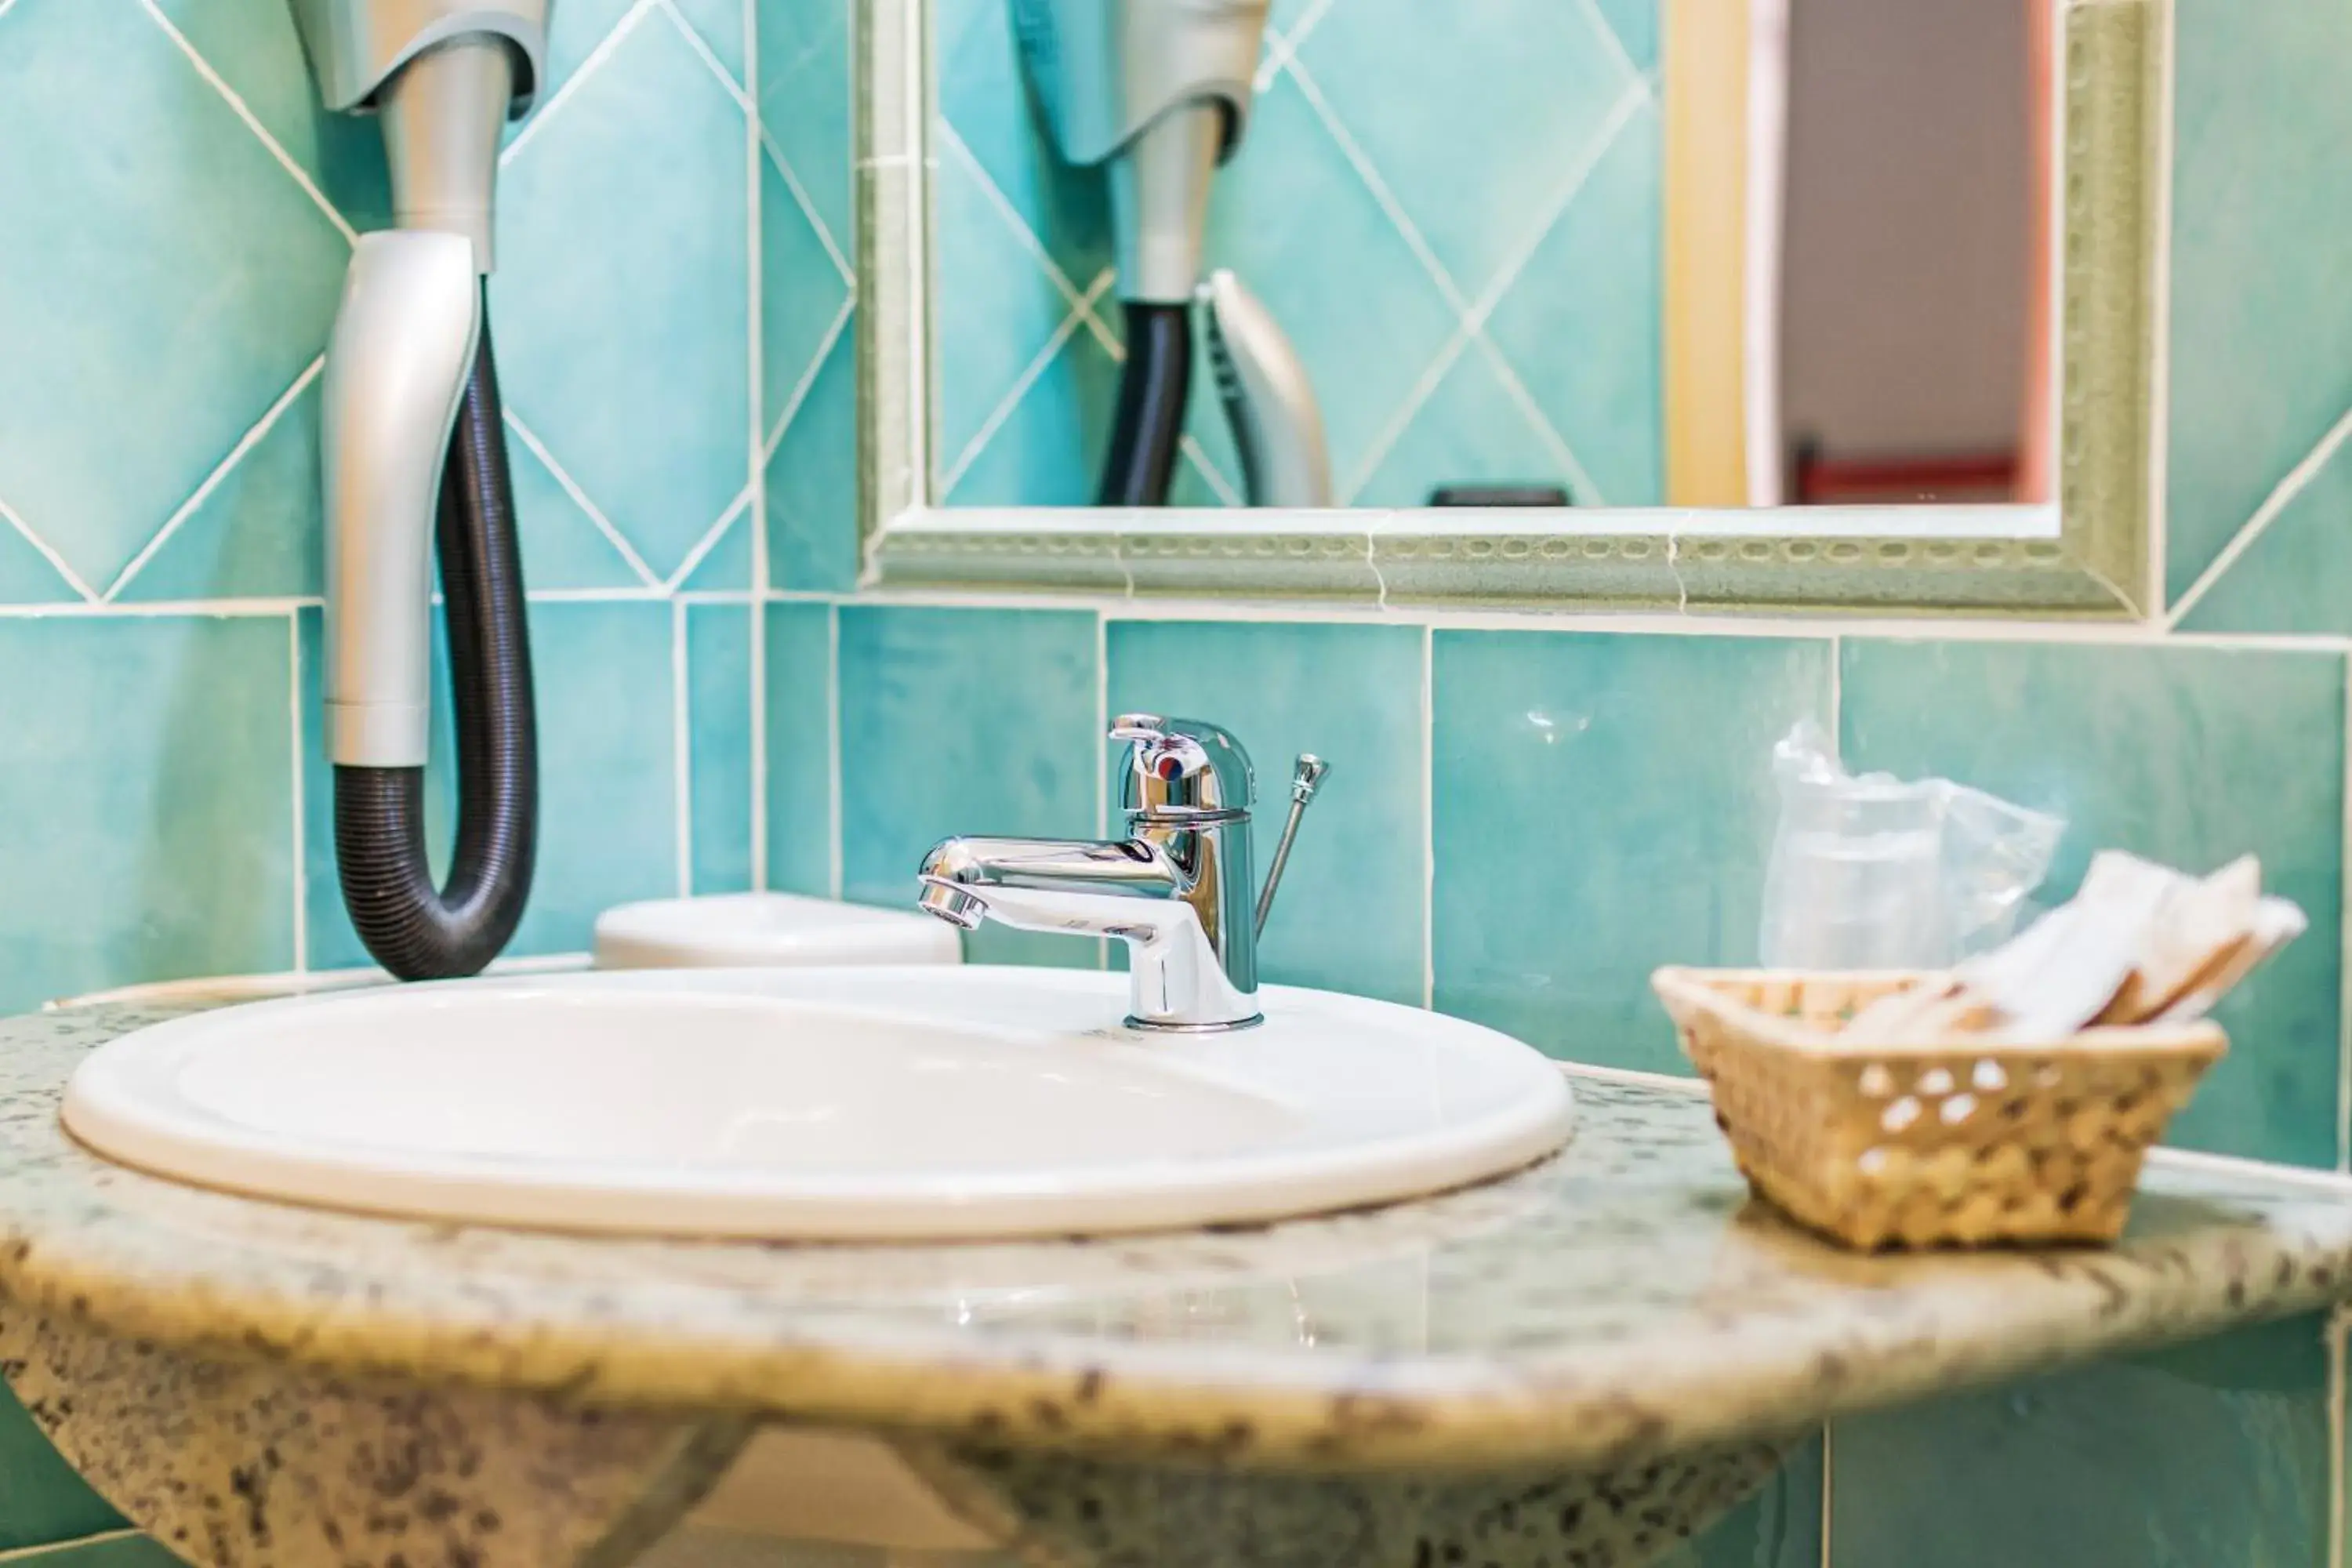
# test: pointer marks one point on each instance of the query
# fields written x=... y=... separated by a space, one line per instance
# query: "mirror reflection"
x=1602 y=253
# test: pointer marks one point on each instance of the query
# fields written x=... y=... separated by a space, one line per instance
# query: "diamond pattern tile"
x=1006 y=318
x=258 y=55
x=720 y=25
x=1517 y=110
x=625 y=210
x=183 y=277
x=1348 y=211
x=805 y=293
x=259 y=534
x=1471 y=429
x=225 y=142
x=804 y=101
x=984 y=99
x=812 y=482
x=575 y=31
x=1580 y=326
x=1358 y=304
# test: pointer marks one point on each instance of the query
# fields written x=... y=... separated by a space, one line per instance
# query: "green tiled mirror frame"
x=2100 y=564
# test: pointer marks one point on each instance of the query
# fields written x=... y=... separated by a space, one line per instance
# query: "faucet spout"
x=1134 y=889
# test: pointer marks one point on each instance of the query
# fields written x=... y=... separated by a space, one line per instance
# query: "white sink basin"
x=817 y=1103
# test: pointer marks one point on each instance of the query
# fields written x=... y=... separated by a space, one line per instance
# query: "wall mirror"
x=1624 y=303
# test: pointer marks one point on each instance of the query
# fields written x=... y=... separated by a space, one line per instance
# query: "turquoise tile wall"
x=672 y=315
x=1549 y=809
x=1594 y=796
x=2214 y=1453
x=1431 y=308
x=1602 y=806
x=1354 y=696
x=966 y=721
x=2258 y=497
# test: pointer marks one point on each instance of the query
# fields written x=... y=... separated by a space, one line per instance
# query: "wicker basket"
x=1965 y=1140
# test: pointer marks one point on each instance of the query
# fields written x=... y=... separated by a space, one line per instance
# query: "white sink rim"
x=1514 y=1108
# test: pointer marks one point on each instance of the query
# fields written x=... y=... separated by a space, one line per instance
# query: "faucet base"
x=1158 y=1026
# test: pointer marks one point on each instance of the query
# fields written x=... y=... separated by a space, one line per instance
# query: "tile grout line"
x=588 y=67
x=1102 y=750
x=1608 y=30
x=916 y=91
x=833 y=849
x=211 y=481
x=1429 y=817
x=244 y=112
x=681 y=755
x=2159 y=304
x=1449 y=354
x=99 y=1538
x=1837 y=697
x=51 y=554
x=1604 y=141
x=695 y=41
x=1002 y=205
x=271 y=605
x=1829 y=1482
x=571 y=487
x=2282 y=496
x=1538 y=421
x=1705 y=622
x=711 y=541
x=2343 y=933
x=297 y=733
x=766 y=447
x=1286 y=46
x=1385 y=198
x=1003 y=413
x=1211 y=475
x=799 y=193
x=761 y=450
x=2335 y=1335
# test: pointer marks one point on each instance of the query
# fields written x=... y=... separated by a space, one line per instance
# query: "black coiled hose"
x=1158 y=378
x=416 y=931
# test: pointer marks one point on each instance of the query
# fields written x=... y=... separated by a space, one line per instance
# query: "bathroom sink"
x=816 y=1103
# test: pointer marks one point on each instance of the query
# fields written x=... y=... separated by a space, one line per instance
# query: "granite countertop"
x=1623 y=1300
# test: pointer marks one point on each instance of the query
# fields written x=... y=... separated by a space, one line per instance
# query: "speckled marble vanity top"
x=1621 y=1299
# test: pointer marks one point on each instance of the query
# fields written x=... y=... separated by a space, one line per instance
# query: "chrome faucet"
x=1177 y=890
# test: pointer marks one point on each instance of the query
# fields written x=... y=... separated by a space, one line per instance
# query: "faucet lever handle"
x=1181 y=768
x=1305 y=778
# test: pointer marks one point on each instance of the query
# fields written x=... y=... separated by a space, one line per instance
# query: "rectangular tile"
x=1603 y=805
x=966 y=721
x=147 y=770
x=718 y=739
x=607 y=777
x=41 y=1499
x=800 y=748
x=1350 y=915
x=2188 y=755
x=2214 y=1453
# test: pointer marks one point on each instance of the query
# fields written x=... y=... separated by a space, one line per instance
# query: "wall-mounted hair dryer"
x=1159 y=91
x=415 y=453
